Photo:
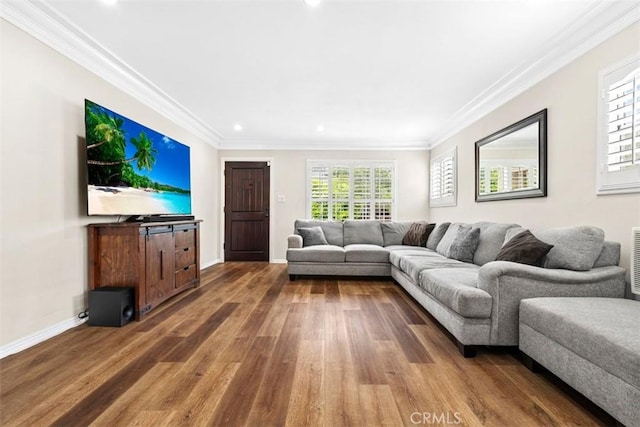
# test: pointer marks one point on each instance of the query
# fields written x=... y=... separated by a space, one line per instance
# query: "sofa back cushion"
x=394 y=231
x=492 y=236
x=574 y=248
x=363 y=232
x=437 y=234
x=333 y=231
x=610 y=255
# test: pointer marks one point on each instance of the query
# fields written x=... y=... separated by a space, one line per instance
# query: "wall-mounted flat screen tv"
x=133 y=170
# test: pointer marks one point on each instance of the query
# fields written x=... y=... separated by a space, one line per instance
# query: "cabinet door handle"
x=162 y=265
x=185 y=249
x=185 y=268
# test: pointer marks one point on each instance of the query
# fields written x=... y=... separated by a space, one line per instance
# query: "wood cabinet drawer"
x=185 y=238
x=185 y=257
x=186 y=275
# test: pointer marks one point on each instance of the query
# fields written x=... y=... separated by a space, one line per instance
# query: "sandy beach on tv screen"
x=123 y=201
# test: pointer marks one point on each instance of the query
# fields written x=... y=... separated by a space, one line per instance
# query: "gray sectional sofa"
x=476 y=299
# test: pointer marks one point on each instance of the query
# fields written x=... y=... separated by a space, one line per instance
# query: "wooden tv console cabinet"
x=158 y=259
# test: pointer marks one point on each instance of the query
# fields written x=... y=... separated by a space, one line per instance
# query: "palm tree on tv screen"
x=145 y=153
x=106 y=143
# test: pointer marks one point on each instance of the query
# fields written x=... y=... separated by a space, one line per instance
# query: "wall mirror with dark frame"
x=512 y=163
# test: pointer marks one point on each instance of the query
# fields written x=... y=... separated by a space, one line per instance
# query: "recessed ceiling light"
x=110 y=2
x=237 y=127
x=312 y=3
x=320 y=128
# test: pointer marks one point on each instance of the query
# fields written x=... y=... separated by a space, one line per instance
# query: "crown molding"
x=320 y=145
x=41 y=21
x=602 y=21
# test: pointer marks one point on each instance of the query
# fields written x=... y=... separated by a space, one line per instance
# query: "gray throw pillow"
x=418 y=234
x=312 y=236
x=524 y=248
x=451 y=233
x=436 y=235
x=464 y=245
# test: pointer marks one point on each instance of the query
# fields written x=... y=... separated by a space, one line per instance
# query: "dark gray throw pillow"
x=464 y=245
x=417 y=234
x=524 y=248
x=437 y=234
x=312 y=236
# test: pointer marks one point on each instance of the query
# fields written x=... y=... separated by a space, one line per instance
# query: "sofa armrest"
x=509 y=282
x=294 y=241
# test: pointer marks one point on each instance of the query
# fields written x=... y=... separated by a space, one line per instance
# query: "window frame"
x=351 y=165
x=438 y=163
x=615 y=182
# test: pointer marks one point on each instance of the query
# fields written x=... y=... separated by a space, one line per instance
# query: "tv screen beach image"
x=133 y=170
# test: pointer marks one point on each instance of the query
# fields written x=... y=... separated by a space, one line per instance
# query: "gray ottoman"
x=592 y=344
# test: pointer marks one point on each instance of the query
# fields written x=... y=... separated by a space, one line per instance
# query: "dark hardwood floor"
x=248 y=347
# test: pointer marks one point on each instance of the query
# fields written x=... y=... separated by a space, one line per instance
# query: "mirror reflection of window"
x=510 y=163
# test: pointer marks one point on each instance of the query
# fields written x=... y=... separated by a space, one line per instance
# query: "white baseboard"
x=50 y=332
x=210 y=263
x=38 y=337
x=278 y=261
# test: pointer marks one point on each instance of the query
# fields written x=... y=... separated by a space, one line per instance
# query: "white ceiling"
x=377 y=74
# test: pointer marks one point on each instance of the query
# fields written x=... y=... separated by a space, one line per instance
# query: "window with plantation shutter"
x=619 y=128
x=443 y=180
x=350 y=190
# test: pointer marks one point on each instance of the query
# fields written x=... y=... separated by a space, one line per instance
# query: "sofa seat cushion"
x=412 y=265
x=322 y=253
x=456 y=289
x=603 y=331
x=398 y=251
x=365 y=253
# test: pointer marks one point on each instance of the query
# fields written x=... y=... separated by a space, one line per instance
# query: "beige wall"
x=571 y=98
x=43 y=195
x=288 y=174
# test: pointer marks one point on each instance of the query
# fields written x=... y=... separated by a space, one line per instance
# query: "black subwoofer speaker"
x=110 y=306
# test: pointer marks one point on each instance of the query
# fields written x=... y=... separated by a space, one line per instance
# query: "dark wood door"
x=246 y=229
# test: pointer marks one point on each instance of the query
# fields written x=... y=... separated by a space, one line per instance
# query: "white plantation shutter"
x=443 y=180
x=619 y=128
x=623 y=131
x=362 y=193
x=350 y=190
x=319 y=183
x=383 y=192
x=340 y=192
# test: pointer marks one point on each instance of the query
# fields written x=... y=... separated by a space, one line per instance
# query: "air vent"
x=635 y=260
